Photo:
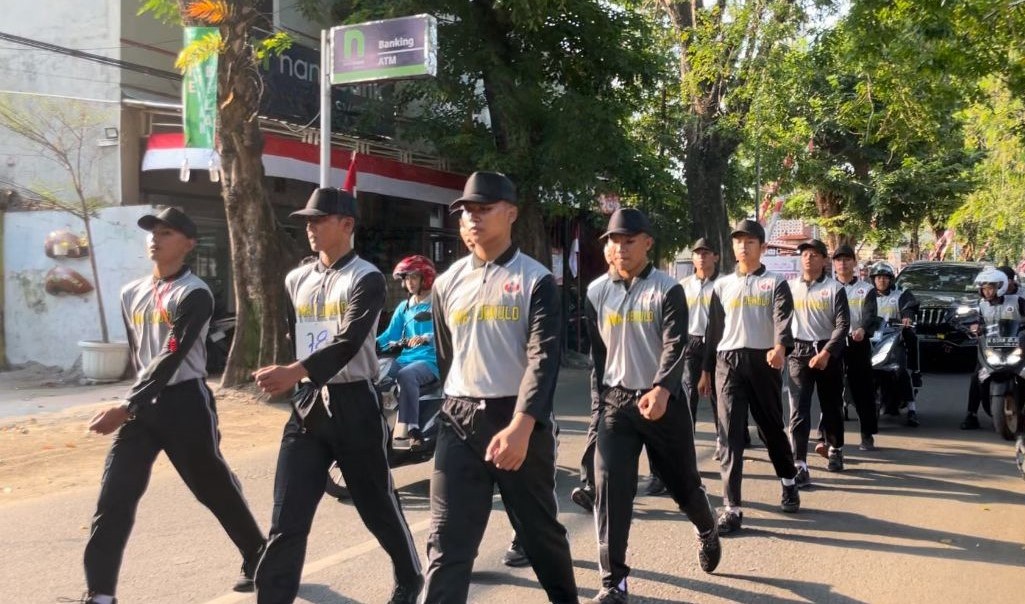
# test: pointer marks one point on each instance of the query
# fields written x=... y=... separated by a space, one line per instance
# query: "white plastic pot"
x=103 y=361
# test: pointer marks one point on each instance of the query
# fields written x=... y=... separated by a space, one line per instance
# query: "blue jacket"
x=403 y=326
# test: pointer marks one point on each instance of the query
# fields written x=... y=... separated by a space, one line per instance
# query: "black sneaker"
x=912 y=419
x=415 y=439
x=245 y=582
x=729 y=522
x=803 y=478
x=916 y=379
x=407 y=593
x=655 y=486
x=584 y=497
x=791 y=501
x=868 y=443
x=610 y=595
x=515 y=556
x=971 y=422
x=710 y=550
x=87 y=598
x=835 y=460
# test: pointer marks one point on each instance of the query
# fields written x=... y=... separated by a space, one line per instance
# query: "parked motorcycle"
x=431 y=399
x=890 y=367
x=1001 y=374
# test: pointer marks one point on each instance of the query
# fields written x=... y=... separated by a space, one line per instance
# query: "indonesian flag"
x=350 y=175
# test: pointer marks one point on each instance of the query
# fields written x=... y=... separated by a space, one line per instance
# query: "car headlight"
x=963 y=310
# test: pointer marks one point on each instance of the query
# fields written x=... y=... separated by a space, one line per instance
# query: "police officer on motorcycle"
x=995 y=304
x=417 y=363
x=893 y=303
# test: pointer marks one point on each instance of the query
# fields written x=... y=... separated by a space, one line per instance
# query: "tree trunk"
x=530 y=232
x=705 y=164
x=913 y=244
x=256 y=252
x=830 y=205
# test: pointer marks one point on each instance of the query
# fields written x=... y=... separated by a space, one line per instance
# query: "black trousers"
x=622 y=432
x=587 y=459
x=693 y=358
x=183 y=424
x=462 y=488
x=803 y=381
x=355 y=435
x=859 y=378
x=746 y=382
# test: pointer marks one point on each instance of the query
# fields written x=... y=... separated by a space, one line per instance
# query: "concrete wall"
x=45 y=328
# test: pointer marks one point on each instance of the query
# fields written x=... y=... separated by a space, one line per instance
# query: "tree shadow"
x=806 y=591
x=318 y=593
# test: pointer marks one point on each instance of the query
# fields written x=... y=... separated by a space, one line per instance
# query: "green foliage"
x=199 y=50
x=165 y=11
x=273 y=46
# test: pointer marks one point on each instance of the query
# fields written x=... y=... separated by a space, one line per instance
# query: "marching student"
x=637 y=316
x=746 y=343
x=169 y=409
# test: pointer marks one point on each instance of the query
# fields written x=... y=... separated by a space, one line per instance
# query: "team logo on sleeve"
x=512 y=286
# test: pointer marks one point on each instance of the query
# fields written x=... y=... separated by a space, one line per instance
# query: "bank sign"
x=383 y=50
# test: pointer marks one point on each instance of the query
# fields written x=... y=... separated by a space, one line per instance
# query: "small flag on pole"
x=350 y=175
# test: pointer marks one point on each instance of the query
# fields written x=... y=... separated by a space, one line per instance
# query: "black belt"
x=500 y=400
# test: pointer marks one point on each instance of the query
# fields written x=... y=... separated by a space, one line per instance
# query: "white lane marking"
x=324 y=563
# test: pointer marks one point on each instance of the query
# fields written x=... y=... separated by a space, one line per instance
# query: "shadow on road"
x=318 y=593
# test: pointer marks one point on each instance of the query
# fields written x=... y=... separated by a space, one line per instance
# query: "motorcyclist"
x=417 y=364
x=895 y=303
x=996 y=303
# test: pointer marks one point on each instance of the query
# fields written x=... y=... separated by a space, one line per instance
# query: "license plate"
x=1011 y=342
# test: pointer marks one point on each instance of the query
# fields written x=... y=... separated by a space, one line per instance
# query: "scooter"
x=1001 y=374
x=890 y=367
x=431 y=399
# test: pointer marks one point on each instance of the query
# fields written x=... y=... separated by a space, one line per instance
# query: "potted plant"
x=63 y=135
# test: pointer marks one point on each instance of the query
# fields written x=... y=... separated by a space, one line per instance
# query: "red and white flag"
x=350 y=176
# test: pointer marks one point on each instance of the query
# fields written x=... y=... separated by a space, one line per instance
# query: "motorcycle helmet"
x=992 y=276
x=419 y=265
x=881 y=269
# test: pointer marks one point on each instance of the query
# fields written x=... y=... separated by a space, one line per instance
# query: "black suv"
x=948 y=302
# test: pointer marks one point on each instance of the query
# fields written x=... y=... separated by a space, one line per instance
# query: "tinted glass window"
x=938 y=278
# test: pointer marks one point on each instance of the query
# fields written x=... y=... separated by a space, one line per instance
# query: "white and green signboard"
x=383 y=50
x=199 y=94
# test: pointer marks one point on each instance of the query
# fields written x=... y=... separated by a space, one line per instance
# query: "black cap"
x=844 y=250
x=749 y=227
x=328 y=201
x=814 y=244
x=172 y=217
x=627 y=221
x=703 y=244
x=486 y=187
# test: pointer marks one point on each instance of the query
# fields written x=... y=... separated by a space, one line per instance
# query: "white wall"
x=44 y=328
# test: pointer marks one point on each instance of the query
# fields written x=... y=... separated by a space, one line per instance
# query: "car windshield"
x=937 y=278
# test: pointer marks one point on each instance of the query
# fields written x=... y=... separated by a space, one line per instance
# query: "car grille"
x=931 y=316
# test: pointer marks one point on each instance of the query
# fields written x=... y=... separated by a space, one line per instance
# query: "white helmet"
x=991 y=275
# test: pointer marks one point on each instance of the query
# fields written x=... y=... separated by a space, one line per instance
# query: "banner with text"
x=199 y=94
x=383 y=50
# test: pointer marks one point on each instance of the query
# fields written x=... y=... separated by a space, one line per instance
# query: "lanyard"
x=165 y=316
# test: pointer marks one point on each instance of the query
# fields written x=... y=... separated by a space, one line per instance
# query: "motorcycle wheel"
x=1004 y=411
x=335 y=486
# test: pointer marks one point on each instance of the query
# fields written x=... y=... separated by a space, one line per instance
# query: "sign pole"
x=325 y=107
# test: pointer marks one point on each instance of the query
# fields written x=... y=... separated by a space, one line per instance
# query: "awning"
x=286 y=158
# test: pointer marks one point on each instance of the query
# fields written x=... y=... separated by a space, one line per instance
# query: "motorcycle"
x=890 y=368
x=1001 y=374
x=431 y=399
x=218 y=343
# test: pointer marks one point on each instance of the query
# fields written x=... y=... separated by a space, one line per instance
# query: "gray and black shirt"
x=861 y=301
x=895 y=304
x=497 y=329
x=748 y=312
x=820 y=313
x=333 y=313
x=167 y=322
x=638 y=330
x=699 y=294
x=1008 y=307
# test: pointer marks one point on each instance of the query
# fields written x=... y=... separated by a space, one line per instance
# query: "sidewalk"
x=38 y=389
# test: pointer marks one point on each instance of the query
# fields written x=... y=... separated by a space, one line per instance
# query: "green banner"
x=199 y=94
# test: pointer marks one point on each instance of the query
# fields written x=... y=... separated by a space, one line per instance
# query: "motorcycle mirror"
x=422 y=317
